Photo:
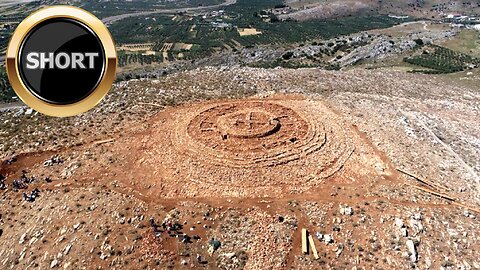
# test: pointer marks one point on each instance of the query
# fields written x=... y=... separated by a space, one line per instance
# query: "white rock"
x=22 y=238
x=229 y=255
x=67 y=249
x=76 y=226
x=399 y=222
x=33 y=241
x=417 y=216
x=339 y=251
x=416 y=225
x=104 y=256
x=328 y=239
x=347 y=210
x=411 y=248
x=54 y=263
x=22 y=254
x=452 y=232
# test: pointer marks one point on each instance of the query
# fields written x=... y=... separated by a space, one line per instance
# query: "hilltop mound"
x=380 y=167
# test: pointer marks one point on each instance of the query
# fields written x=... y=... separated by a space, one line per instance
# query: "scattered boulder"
x=319 y=236
x=346 y=210
x=412 y=250
x=328 y=239
x=22 y=238
x=416 y=225
x=54 y=263
x=53 y=161
x=399 y=223
x=230 y=255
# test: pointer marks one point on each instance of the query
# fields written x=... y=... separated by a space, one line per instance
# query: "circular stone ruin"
x=247 y=147
x=253 y=134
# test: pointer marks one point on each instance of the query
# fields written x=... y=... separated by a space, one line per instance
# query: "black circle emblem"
x=61 y=61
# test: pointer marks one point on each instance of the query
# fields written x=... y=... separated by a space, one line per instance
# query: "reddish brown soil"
x=249 y=160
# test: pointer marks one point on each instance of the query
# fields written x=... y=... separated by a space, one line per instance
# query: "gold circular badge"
x=61 y=61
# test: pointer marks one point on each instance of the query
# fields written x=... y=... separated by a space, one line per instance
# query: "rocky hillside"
x=143 y=181
x=322 y=9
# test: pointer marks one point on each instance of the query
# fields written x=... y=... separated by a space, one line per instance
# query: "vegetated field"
x=292 y=31
x=4 y=38
x=6 y=91
x=161 y=29
x=116 y=7
x=467 y=41
x=125 y=59
x=442 y=60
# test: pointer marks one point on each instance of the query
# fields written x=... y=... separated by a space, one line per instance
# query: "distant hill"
x=323 y=9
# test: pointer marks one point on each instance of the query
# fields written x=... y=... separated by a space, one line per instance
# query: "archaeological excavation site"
x=246 y=168
x=270 y=147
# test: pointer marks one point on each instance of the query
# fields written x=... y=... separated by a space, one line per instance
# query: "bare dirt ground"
x=249 y=157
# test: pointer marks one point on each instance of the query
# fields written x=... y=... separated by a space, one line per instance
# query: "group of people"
x=18 y=184
x=21 y=183
x=10 y=161
x=32 y=196
x=173 y=229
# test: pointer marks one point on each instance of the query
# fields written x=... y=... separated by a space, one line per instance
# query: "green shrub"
x=441 y=60
x=6 y=91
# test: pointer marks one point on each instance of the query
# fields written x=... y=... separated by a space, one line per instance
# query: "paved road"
x=112 y=19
